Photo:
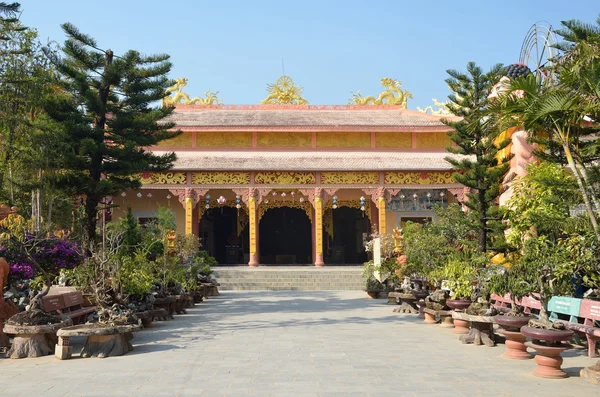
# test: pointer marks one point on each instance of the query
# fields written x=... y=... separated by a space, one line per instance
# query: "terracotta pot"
x=373 y=294
x=458 y=304
x=420 y=294
x=548 y=358
x=547 y=335
x=512 y=323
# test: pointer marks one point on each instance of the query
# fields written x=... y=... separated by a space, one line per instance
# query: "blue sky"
x=331 y=48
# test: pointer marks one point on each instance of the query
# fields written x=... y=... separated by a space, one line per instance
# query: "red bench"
x=530 y=305
x=502 y=303
x=68 y=304
x=589 y=312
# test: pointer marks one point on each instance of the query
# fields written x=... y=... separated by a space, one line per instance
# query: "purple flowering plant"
x=51 y=253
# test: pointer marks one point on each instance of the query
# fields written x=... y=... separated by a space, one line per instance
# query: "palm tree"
x=556 y=113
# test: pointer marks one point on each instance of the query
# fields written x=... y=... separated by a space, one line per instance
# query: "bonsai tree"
x=546 y=240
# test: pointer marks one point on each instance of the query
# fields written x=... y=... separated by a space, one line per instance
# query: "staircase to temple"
x=299 y=278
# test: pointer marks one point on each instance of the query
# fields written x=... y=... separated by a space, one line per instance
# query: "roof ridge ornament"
x=393 y=95
x=284 y=92
x=177 y=96
x=441 y=108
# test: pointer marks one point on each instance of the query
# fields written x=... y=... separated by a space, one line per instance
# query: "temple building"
x=284 y=182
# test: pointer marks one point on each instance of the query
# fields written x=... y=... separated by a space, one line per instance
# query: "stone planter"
x=549 y=344
x=515 y=340
x=33 y=340
x=102 y=340
x=408 y=304
x=460 y=326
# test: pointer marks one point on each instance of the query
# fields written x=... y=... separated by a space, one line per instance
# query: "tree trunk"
x=91 y=206
x=584 y=193
x=482 y=246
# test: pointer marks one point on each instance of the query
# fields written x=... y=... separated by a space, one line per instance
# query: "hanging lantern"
x=221 y=200
x=283 y=194
x=362 y=204
x=274 y=194
x=169 y=197
x=207 y=202
x=362 y=208
x=292 y=194
x=139 y=195
x=207 y=196
x=415 y=196
x=334 y=202
x=207 y=206
x=123 y=194
x=267 y=201
x=149 y=195
x=301 y=199
x=238 y=206
x=402 y=197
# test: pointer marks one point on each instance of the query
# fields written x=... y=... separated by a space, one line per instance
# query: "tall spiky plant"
x=474 y=135
x=105 y=110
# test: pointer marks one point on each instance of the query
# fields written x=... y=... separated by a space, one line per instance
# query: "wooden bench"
x=68 y=304
x=502 y=303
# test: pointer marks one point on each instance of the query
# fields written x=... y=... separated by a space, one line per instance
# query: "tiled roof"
x=303 y=117
x=310 y=160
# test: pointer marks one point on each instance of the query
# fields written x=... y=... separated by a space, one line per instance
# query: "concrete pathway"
x=293 y=344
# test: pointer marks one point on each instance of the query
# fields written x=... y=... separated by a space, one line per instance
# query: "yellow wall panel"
x=284 y=139
x=223 y=139
x=183 y=140
x=343 y=139
x=429 y=140
x=394 y=140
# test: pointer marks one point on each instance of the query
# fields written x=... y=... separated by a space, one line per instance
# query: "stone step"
x=295 y=278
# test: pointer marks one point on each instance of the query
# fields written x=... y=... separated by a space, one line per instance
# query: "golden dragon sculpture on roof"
x=393 y=95
x=177 y=96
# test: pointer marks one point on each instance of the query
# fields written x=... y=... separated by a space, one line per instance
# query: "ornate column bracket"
x=374 y=193
x=244 y=193
x=191 y=193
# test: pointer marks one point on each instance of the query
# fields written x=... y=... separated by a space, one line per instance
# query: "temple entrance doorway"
x=285 y=237
x=219 y=235
x=351 y=228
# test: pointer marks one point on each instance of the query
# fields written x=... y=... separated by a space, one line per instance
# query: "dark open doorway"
x=285 y=237
x=351 y=230
x=218 y=231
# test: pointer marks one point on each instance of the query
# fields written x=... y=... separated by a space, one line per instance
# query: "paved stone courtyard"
x=284 y=343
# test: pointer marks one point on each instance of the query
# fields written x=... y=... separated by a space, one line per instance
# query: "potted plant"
x=373 y=287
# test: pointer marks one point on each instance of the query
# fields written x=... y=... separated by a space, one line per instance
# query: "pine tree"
x=107 y=120
x=474 y=135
